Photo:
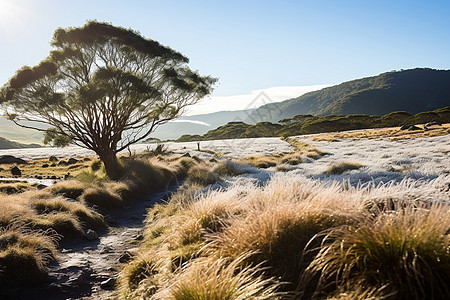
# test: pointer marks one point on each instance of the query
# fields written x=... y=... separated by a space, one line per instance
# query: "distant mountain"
x=7 y=144
x=11 y=131
x=198 y=124
x=414 y=91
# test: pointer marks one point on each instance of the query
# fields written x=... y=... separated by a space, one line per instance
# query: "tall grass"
x=219 y=279
x=322 y=240
x=24 y=255
x=405 y=250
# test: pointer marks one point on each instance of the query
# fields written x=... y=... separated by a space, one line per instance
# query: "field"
x=351 y=215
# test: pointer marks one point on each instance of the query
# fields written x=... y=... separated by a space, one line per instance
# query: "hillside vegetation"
x=308 y=124
x=412 y=90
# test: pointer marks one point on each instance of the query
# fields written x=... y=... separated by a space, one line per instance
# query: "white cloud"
x=251 y=100
x=190 y=121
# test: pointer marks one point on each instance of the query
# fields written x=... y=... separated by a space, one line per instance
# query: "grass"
x=407 y=251
x=341 y=167
x=68 y=208
x=321 y=241
x=24 y=255
x=207 y=173
x=392 y=133
x=35 y=169
x=301 y=153
x=222 y=279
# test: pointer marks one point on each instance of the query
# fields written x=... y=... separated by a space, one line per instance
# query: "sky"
x=282 y=48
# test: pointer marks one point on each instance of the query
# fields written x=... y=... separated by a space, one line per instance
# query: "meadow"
x=307 y=217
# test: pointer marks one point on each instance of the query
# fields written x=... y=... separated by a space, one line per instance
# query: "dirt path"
x=88 y=269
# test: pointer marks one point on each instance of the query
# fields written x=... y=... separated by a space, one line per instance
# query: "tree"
x=103 y=88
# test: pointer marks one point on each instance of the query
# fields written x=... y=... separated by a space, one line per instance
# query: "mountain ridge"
x=412 y=90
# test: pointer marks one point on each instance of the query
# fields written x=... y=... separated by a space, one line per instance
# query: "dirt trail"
x=88 y=269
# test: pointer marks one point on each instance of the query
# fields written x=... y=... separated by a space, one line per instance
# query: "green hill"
x=414 y=91
x=307 y=124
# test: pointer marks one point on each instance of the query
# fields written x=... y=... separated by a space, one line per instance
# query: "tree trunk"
x=112 y=166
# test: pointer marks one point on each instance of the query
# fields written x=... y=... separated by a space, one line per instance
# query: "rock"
x=16 y=171
x=72 y=161
x=53 y=177
x=53 y=158
x=63 y=163
x=108 y=284
x=45 y=166
x=91 y=235
x=186 y=155
x=41 y=186
x=414 y=128
x=9 y=159
x=67 y=176
x=86 y=159
x=39 y=177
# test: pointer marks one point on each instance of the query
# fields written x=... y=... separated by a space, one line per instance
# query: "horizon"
x=250 y=46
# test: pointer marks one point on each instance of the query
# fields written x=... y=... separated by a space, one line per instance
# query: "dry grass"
x=35 y=168
x=223 y=278
x=302 y=151
x=407 y=251
x=341 y=167
x=206 y=173
x=393 y=133
x=10 y=187
x=323 y=239
x=68 y=208
x=24 y=255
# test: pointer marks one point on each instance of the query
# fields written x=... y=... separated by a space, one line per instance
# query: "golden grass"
x=321 y=241
x=393 y=133
x=34 y=168
x=223 y=278
x=407 y=251
x=206 y=173
x=24 y=255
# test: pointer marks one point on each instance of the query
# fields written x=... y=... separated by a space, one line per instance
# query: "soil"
x=88 y=269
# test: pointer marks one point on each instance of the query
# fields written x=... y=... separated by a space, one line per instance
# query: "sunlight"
x=12 y=16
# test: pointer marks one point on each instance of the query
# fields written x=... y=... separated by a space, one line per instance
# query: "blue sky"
x=250 y=45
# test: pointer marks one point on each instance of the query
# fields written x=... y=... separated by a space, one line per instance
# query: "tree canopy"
x=102 y=88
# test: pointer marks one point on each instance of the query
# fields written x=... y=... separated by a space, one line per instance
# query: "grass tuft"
x=406 y=250
x=341 y=167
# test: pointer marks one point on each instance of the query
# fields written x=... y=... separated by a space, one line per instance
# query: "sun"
x=13 y=14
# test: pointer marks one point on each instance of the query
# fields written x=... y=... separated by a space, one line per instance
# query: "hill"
x=414 y=91
x=308 y=124
x=198 y=124
x=7 y=144
x=11 y=131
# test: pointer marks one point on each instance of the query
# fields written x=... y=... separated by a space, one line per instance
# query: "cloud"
x=190 y=121
x=251 y=100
